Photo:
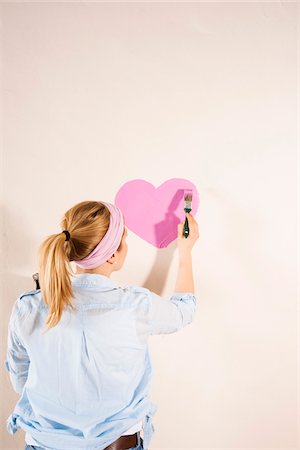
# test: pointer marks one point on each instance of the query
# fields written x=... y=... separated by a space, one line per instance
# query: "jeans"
x=34 y=447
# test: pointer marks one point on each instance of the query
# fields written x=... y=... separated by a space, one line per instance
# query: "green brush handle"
x=186 y=230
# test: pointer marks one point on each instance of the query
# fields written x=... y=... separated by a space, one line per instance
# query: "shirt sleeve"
x=165 y=316
x=17 y=360
x=170 y=316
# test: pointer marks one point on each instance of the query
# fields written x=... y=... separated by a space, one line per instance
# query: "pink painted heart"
x=154 y=213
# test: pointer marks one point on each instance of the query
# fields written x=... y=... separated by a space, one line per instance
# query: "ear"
x=112 y=259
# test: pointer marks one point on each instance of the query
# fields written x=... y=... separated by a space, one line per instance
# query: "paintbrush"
x=188 y=195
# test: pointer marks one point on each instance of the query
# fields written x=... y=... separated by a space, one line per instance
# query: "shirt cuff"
x=179 y=295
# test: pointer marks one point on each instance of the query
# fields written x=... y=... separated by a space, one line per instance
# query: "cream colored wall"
x=96 y=94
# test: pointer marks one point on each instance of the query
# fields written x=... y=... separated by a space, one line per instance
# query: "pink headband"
x=109 y=243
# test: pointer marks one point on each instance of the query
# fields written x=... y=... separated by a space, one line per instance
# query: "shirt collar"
x=93 y=279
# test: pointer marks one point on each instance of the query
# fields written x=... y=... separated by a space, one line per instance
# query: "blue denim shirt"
x=87 y=380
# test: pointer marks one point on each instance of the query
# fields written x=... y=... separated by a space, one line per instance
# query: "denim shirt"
x=87 y=380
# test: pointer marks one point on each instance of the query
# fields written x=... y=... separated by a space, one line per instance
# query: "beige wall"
x=97 y=94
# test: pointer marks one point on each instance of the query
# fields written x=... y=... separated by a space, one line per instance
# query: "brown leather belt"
x=126 y=441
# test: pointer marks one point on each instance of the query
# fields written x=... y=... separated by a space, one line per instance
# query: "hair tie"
x=67 y=235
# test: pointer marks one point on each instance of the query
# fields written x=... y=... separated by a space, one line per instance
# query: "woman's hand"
x=186 y=244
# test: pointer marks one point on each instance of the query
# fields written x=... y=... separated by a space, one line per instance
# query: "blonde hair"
x=87 y=223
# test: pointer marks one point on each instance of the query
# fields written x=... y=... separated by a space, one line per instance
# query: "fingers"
x=190 y=217
x=193 y=225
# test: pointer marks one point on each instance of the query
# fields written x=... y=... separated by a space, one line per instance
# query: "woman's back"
x=89 y=376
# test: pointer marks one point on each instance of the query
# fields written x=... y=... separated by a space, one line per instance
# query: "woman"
x=84 y=380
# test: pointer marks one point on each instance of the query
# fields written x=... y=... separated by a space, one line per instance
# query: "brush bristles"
x=188 y=201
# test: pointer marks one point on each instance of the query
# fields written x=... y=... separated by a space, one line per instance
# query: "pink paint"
x=154 y=213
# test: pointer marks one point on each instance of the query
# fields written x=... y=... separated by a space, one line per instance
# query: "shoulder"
x=138 y=290
x=34 y=292
x=138 y=295
x=28 y=301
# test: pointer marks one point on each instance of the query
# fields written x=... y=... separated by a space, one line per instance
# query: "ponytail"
x=87 y=223
x=54 y=277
